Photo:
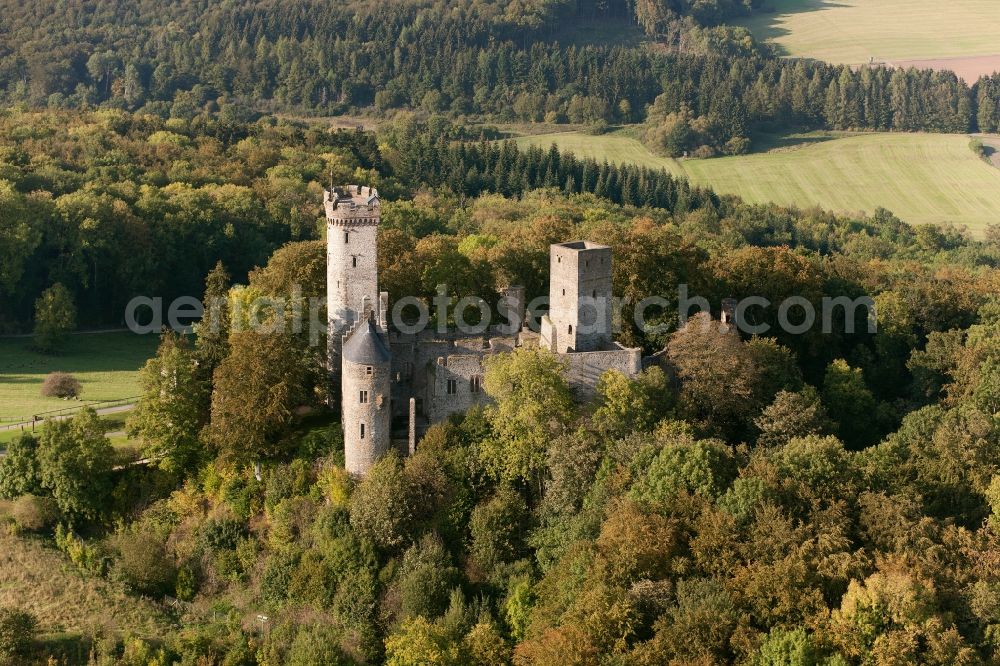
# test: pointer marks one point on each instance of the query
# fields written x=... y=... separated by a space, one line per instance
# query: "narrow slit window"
x=362 y=431
x=354 y=262
x=571 y=328
x=346 y=237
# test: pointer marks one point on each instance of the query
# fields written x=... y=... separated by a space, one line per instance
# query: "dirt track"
x=969 y=68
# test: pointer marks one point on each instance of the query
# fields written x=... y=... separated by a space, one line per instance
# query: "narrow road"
x=100 y=412
x=102 y=330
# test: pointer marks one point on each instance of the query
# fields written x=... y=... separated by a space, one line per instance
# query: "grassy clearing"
x=105 y=363
x=38 y=578
x=617 y=147
x=922 y=178
x=852 y=31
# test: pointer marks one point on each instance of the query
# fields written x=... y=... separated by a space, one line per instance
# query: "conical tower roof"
x=366 y=347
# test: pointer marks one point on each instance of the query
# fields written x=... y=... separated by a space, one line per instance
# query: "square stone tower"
x=580 y=305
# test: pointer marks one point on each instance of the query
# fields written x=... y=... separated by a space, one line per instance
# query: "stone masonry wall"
x=362 y=452
x=583 y=369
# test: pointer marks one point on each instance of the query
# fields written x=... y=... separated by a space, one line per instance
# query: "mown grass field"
x=106 y=364
x=853 y=31
x=922 y=178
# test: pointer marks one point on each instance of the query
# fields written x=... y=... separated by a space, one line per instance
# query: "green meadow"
x=922 y=178
x=106 y=364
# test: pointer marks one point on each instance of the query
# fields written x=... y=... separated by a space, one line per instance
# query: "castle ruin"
x=392 y=385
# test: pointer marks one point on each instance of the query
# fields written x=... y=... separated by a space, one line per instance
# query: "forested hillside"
x=712 y=86
x=796 y=498
x=804 y=499
x=117 y=205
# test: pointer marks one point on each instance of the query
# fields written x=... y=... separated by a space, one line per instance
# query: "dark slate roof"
x=366 y=347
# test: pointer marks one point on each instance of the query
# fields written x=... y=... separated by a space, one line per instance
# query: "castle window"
x=571 y=328
x=346 y=237
x=475 y=383
x=564 y=292
x=354 y=261
x=362 y=431
x=595 y=293
x=364 y=397
x=452 y=387
x=368 y=369
x=558 y=259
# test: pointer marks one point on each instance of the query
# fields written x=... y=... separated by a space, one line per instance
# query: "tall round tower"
x=352 y=218
x=365 y=380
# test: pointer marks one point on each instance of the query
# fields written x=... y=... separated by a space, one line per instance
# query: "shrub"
x=79 y=552
x=703 y=152
x=278 y=572
x=738 y=145
x=290 y=521
x=285 y=481
x=334 y=484
x=977 y=146
x=554 y=117
x=35 y=513
x=222 y=533
x=144 y=564
x=187 y=584
x=598 y=128
x=19 y=468
x=316 y=644
x=61 y=385
x=17 y=633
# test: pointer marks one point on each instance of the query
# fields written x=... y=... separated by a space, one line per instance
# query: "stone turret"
x=366 y=374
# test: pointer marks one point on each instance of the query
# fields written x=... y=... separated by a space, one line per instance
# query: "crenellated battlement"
x=357 y=205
